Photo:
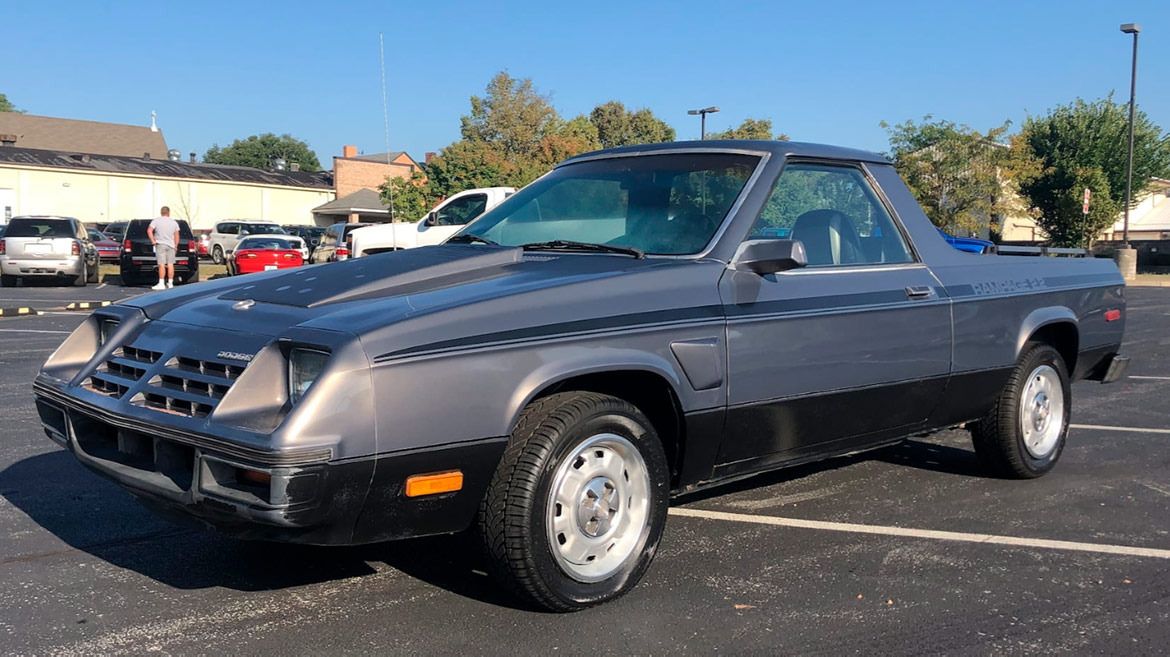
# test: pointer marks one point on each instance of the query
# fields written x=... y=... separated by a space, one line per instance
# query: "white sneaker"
x=170 y=283
x=160 y=286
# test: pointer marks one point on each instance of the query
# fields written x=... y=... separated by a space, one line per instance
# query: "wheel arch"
x=1054 y=325
x=652 y=387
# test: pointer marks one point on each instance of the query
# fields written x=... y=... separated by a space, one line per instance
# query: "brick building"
x=356 y=179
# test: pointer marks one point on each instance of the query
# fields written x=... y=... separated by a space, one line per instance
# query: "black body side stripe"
x=642 y=320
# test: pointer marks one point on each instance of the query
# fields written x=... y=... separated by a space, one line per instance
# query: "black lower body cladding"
x=325 y=503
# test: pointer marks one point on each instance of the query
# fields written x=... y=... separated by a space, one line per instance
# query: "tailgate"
x=39 y=247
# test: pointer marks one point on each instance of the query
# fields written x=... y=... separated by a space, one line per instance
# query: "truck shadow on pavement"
x=96 y=517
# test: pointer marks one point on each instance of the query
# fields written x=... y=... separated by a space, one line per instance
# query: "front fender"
x=580 y=362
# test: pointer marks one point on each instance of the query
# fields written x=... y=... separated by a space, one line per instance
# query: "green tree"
x=411 y=198
x=960 y=176
x=1083 y=145
x=512 y=116
x=617 y=126
x=259 y=151
x=749 y=129
x=7 y=106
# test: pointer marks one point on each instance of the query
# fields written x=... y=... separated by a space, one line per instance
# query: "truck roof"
x=776 y=147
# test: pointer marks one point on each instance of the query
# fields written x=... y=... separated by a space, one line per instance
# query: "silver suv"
x=227 y=234
x=44 y=247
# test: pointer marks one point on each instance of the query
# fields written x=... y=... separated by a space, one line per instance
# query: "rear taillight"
x=342 y=251
x=290 y=256
x=191 y=246
x=3 y=247
x=76 y=248
x=126 y=246
x=246 y=255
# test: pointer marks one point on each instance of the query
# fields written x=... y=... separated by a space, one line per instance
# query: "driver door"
x=847 y=352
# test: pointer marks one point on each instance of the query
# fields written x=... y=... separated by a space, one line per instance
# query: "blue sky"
x=822 y=71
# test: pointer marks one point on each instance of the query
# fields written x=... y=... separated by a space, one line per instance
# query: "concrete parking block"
x=22 y=311
x=86 y=305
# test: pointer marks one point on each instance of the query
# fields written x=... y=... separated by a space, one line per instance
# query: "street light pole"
x=703 y=119
x=1130 y=28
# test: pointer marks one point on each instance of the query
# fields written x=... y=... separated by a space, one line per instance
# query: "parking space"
x=909 y=549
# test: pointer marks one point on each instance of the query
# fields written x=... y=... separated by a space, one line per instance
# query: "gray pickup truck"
x=637 y=324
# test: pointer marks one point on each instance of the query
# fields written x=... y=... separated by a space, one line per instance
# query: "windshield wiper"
x=569 y=245
x=468 y=238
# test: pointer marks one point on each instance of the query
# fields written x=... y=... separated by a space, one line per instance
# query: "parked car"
x=203 y=242
x=968 y=244
x=43 y=247
x=108 y=250
x=310 y=234
x=115 y=231
x=264 y=253
x=619 y=331
x=438 y=224
x=335 y=246
x=223 y=239
x=138 y=265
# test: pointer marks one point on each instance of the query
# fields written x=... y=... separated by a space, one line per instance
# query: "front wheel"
x=577 y=506
x=217 y=255
x=1024 y=433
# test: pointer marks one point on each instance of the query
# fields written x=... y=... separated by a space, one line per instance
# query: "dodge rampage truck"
x=637 y=324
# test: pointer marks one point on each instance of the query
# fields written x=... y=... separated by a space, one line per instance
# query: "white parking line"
x=1099 y=427
x=1149 y=378
x=965 y=537
x=32 y=331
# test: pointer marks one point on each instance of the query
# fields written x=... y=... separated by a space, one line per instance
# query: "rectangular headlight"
x=106 y=328
x=304 y=366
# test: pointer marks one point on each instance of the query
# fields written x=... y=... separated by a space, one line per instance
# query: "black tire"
x=999 y=437
x=8 y=281
x=81 y=280
x=95 y=273
x=128 y=279
x=514 y=517
x=193 y=277
x=217 y=255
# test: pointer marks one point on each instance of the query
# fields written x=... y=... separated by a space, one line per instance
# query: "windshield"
x=268 y=243
x=661 y=204
x=36 y=227
x=264 y=229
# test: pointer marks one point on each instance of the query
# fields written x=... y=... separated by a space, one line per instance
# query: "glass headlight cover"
x=106 y=328
x=304 y=366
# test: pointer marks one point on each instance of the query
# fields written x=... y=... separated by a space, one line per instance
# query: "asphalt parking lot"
x=908 y=549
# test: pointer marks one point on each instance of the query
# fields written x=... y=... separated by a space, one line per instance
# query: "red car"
x=202 y=242
x=108 y=249
x=263 y=253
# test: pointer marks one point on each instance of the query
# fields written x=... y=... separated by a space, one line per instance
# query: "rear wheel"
x=7 y=281
x=1024 y=433
x=577 y=506
x=95 y=273
x=217 y=255
x=193 y=277
x=81 y=279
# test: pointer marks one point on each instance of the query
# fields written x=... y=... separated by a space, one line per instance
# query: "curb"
x=86 y=305
x=18 y=312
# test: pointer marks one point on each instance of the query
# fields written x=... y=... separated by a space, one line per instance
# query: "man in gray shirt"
x=164 y=235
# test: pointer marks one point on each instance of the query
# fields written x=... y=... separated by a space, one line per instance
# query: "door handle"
x=920 y=291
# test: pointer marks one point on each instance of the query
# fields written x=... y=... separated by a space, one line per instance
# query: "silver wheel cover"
x=598 y=507
x=1042 y=411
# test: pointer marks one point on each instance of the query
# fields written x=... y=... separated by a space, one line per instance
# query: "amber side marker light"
x=1112 y=315
x=433 y=484
x=253 y=477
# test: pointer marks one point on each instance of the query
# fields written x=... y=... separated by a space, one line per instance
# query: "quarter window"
x=835 y=213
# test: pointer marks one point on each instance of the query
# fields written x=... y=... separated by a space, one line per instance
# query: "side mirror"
x=432 y=219
x=769 y=256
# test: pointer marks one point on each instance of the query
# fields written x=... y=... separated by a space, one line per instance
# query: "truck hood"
x=396 y=301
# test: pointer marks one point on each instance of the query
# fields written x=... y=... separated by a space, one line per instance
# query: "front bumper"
x=68 y=266
x=283 y=496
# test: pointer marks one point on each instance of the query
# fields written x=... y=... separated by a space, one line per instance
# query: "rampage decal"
x=1009 y=286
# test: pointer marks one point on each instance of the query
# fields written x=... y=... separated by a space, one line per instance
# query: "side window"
x=462 y=210
x=834 y=211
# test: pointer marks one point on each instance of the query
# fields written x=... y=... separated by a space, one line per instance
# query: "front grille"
x=123 y=369
x=189 y=386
